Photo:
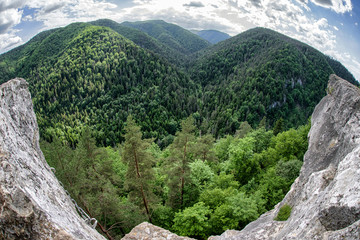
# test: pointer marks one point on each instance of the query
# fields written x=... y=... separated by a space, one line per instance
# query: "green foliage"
x=241 y=159
x=284 y=213
x=139 y=161
x=97 y=78
x=95 y=179
x=200 y=173
x=193 y=221
x=251 y=175
x=91 y=74
x=145 y=41
x=86 y=80
x=181 y=152
x=244 y=129
x=278 y=128
x=171 y=35
x=260 y=73
x=289 y=170
x=204 y=149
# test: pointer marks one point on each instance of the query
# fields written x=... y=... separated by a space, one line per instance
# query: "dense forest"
x=96 y=74
x=261 y=73
x=147 y=121
x=195 y=187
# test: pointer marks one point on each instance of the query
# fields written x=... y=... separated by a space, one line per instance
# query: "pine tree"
x=203 y=148
x=139 y=174
x=262 y=123
x=180 y=156
x=244 y=129
x=278 y=128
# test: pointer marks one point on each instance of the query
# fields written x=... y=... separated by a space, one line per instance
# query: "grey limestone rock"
x=325 y=198
x=147 y=231
x=33 y=205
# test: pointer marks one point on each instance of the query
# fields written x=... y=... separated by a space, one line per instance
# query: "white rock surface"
x=147 y=231
x=33 y=205
x=325 y=198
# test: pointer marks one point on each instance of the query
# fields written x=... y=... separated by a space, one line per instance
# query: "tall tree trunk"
x=183 y=175
x=102 y=228
x=142 y=188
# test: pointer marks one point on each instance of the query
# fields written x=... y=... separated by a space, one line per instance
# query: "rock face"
x=325 y=198
x=147 y=231
x=33 y=205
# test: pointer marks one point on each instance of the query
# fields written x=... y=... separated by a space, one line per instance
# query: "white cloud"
x=339 y=6
x=10 y=4
x=9 y=18
x=293 y=18
x=57 y=13
x=8 y=41
x=351 y=63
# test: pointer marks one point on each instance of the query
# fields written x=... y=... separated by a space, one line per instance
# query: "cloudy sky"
x=331 y=26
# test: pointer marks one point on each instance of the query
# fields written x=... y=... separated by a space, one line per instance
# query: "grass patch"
x=284 y=213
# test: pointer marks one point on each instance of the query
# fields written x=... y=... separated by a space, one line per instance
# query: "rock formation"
x=325 y=198
x=147 y=231
x=33 y=205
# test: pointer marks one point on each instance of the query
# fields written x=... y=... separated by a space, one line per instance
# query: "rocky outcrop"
x=325 y=198
x=147 y=231
x=33 y=205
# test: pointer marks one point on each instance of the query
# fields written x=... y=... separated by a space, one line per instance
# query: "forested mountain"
x=261 y=73
x=145 y=41
x=96 y=77
x=171 y=35
x=101 y=84
x=86 y=75
x=213 y=36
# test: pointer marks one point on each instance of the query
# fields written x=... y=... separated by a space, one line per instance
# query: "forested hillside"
x=85 y=75
x=145 y=41
x=171 y=35
x=138 y=132
x=195 y=187
x=96 y=77
x=261 y=73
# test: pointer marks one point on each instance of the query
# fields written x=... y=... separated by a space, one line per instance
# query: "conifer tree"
x=180 y=156
x=262 y=123
x=203 y=148
x=244 y=129
x=278 y=128
x=139 y=176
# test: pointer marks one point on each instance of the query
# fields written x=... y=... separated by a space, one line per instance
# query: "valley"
x=147 y=121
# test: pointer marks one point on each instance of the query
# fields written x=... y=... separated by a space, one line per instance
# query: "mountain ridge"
x=282 y=72
x=245 y=78
x=212 y=36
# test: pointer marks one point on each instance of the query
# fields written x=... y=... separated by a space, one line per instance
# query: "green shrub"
x=284 y=213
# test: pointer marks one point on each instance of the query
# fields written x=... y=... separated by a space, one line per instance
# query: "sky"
x=331 y=26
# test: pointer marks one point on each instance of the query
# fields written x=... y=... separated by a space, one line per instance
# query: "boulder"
x=325 y=198
x=147 y=231
x=33 y=204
